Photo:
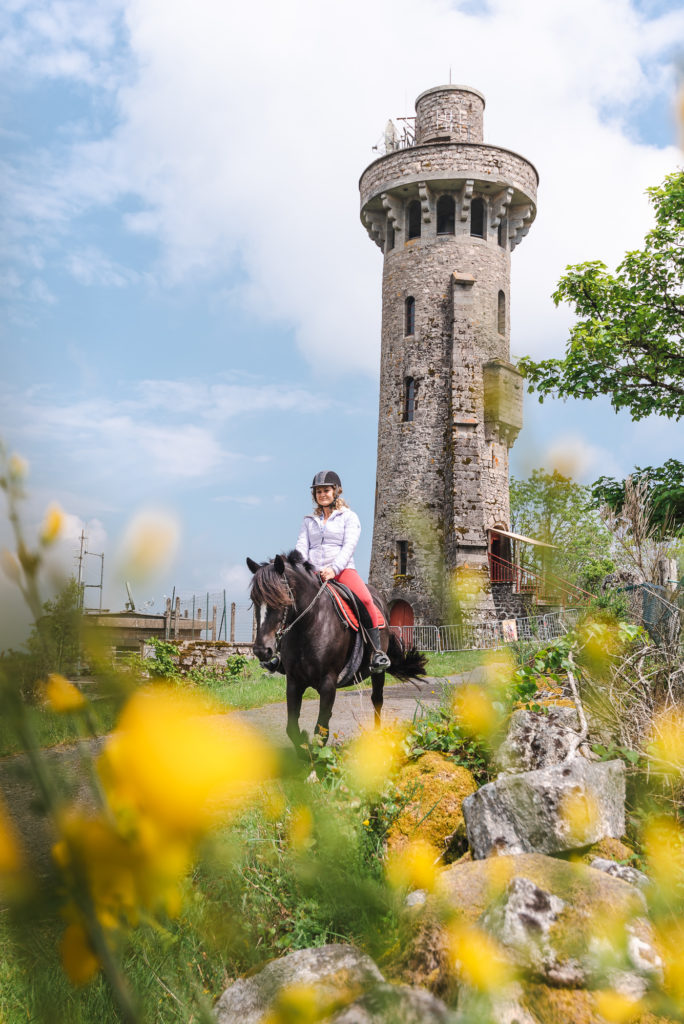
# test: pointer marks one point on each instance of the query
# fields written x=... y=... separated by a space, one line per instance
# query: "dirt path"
x=353 y=711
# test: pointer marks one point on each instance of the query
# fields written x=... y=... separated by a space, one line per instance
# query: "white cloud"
x=256 y=156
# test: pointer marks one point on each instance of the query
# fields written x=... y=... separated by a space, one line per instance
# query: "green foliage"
x=628 y=341
x=554 y=509
x=164 y=663
x=665 y=490
x=595 y=570
x=440 y=731
x=53 y=645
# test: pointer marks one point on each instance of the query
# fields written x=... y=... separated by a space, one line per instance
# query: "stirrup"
x=379 y=661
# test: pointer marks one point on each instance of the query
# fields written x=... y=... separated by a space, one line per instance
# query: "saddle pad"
x=346 y=611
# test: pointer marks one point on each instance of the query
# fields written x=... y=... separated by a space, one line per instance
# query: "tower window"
x=409 y=399
x=390 y=235
x=414 y=212
x=402 y=557
x=501 y=236
x=446 y=215
x=477 y=217
x=501 y=313
x=410 y=315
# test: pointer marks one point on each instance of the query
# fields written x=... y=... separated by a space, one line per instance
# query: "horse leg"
x=294 y=707
x=378 y=682
x=327 y=691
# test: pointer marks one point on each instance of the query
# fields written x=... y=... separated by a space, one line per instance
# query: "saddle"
x=354 y=615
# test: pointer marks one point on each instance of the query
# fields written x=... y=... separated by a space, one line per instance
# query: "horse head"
x=272 y=597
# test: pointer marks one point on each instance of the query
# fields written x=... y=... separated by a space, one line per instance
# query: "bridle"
x=281 y=629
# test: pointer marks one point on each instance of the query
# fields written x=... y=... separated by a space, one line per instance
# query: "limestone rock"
x=522 y=922
x=394 y=1004
x=435 y=788
x=550 y=810
x=338 y=974
x=536 y=740
x=623 y=871
x=474 y=891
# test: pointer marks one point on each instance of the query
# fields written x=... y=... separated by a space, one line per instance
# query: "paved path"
x=353 y=711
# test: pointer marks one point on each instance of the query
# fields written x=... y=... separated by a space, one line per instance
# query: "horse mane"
x=269 y=587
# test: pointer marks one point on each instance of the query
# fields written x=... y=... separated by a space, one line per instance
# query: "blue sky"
x=192 y=305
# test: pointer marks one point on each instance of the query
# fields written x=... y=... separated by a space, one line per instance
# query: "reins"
x=283 y=630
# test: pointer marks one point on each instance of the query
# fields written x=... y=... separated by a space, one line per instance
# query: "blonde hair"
x=338 y=503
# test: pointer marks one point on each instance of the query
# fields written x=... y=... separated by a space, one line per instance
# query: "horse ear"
x=279 y=565
x=252 y=565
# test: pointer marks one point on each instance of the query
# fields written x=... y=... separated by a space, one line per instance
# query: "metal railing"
x=542 y=585
x=487 y=635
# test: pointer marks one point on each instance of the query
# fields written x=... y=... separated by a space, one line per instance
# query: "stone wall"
x=442 y=478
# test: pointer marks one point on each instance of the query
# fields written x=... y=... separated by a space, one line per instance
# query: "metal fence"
x=488 y=635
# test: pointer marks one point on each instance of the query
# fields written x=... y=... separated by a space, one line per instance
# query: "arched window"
x=390 y=235
x=446 y=215
x=414 y=212
x=502 y=233
x=410 y=315
x=409 y=399
x=477 y=217
x=501 y=314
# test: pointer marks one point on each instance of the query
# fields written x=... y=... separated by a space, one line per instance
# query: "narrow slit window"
x=446 y=215
x=502 y=233
x=414 y=214
x=477 y=217
x=410 y=315
x=409 y=399
x=501 y=313
x=402 y=557
x=390 y=235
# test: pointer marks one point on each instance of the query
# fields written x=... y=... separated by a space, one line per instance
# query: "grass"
x=255 y=896
x=252 y=688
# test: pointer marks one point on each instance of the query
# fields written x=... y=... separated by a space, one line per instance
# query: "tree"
x=554 y=509
x=628 y=342
x=665 y=490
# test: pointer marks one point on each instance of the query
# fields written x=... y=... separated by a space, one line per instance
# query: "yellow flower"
x=173 y=760
x=663 y=842
x=671 y=945
x=478 y=959
x=617 y=1008
x=666 y=746
x=78 y=959
x=413 y=867
x=149 y=544
x=18 y=468
x=62 y=695
x=53 y=524
x=10 y=565
x=11 y=860
x=372 y=757
x=580 y=813
x=474 y=710
x=301 y=828
x=296 y=1004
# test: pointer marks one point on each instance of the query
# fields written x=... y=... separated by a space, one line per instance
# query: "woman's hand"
x=327 y=574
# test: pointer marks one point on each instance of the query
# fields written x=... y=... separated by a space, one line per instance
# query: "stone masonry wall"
x=442 y=478
x=449 y=110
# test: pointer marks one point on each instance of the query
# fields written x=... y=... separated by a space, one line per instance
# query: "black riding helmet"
x=326 y=478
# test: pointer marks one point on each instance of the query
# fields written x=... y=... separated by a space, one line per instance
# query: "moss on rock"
x=435 y=788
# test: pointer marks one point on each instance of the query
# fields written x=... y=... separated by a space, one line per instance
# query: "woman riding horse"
x=327 y=540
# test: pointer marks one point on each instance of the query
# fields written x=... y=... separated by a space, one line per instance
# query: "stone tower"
x=446 y=210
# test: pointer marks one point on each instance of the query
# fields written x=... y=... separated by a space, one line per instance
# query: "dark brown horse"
x=300 y=633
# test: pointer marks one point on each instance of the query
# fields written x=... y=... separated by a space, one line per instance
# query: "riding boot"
x=379 y=660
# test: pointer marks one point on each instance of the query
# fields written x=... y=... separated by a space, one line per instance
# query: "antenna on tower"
x=450 y=74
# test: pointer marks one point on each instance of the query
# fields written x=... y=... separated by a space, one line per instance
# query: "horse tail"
x=405 y=663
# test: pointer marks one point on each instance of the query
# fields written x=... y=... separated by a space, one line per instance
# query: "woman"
x=327 y=539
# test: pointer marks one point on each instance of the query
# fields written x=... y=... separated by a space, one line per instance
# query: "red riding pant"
x=351 y=579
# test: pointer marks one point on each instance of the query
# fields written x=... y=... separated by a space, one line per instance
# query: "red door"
x=401 y=616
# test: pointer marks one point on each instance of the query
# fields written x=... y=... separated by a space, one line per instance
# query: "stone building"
x=447 y=210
